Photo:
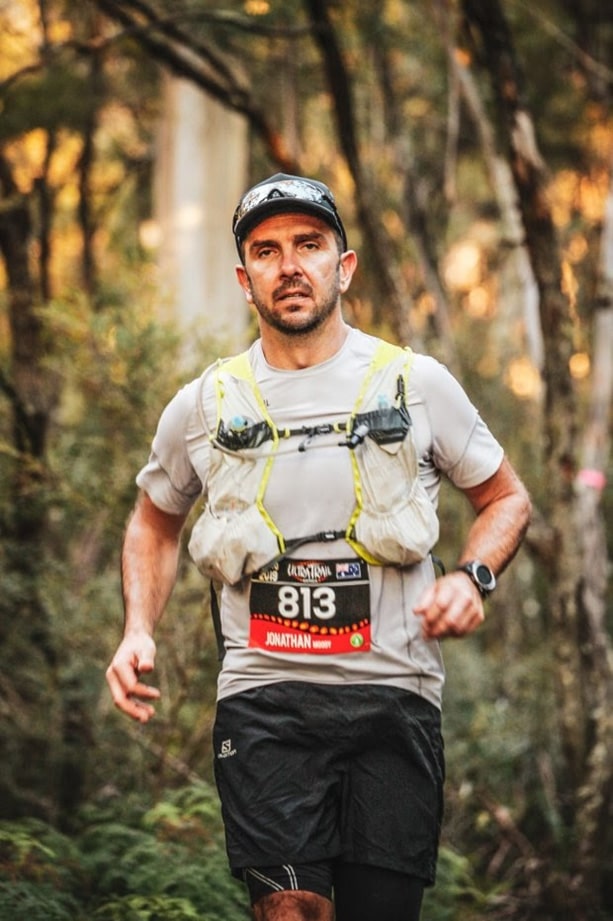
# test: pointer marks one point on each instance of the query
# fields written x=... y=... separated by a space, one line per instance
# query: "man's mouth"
x=292 y=294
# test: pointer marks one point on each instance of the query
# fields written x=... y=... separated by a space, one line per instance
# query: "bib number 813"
x=307 y=601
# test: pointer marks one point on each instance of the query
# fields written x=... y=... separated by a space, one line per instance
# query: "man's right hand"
x=135 y=656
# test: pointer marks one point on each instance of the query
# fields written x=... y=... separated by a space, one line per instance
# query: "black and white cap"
x=282 y=194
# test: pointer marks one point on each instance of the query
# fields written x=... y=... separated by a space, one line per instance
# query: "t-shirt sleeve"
x=168 y=477
x=462 y=446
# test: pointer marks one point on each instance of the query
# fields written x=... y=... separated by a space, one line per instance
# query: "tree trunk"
x=518 y=268
x=391 y=303
x=24 y=620
x=29 y=387
x=86 y=162
x=582 y=666
x=201 y=172
x=597 y=788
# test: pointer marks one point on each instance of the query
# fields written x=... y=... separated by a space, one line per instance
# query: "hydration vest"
x=393 y=522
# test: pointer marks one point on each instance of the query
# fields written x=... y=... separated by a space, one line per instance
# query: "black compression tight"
x=363 y=893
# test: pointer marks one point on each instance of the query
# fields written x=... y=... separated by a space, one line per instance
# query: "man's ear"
x=243 y=280
x=349 y=263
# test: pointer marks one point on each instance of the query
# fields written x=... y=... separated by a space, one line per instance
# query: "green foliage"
x=39 y=873
x=36 y=902
x=457 y=896
x=108 y=364
x=118 y=367
x=31 y=849
x=152 y=908
x=177 y=853
x=124 y=863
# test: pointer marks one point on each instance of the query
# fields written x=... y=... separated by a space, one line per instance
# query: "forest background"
x=470 y=145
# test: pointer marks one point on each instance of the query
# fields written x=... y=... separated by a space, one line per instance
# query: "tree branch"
x=392 y=300
x=189 y=60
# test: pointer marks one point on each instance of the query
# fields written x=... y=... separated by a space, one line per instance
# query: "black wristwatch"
x=481 y=575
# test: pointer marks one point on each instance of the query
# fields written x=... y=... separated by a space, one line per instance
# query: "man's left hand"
x=451 y=606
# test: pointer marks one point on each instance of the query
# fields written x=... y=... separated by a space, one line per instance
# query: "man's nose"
x=290 y=264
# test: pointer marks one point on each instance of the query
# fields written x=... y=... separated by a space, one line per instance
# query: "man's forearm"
x=496 y=534
x=149 y=565
x=503 y=514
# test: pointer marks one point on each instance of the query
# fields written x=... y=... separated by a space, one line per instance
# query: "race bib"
x=311 y=606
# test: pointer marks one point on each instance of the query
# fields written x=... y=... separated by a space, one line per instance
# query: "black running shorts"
x=310 y=772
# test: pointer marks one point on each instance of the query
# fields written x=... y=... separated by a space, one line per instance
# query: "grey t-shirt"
x=313 y=490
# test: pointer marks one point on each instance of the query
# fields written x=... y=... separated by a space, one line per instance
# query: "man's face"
x=293 y=273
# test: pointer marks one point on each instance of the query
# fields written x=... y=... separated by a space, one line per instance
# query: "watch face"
x=484 y=577
x=483 y=574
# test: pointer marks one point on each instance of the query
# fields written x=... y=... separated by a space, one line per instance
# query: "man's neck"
x=293 y=352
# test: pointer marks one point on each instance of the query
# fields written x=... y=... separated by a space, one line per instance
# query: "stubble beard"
x=300 y=326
